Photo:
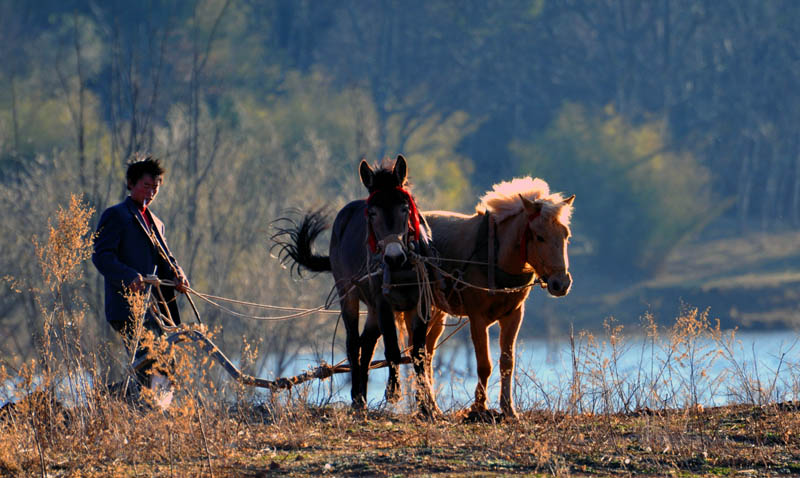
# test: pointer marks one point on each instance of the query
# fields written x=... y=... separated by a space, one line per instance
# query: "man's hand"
x=182 y=283
x=137 y=285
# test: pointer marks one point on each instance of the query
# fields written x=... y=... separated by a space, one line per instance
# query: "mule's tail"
x=294 y=242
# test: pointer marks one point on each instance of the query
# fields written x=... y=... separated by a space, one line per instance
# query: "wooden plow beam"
x=321 y=372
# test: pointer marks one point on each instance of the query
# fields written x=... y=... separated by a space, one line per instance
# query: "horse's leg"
x=349 y=306
x=369 y=339
x=392 y=349
x=509 y=328
x=435 y=329
x=479 y=329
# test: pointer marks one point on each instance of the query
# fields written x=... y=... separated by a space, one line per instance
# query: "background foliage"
x=667 y=118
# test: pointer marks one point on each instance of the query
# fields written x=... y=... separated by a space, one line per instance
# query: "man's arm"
x=181 y=282
x=106 y=245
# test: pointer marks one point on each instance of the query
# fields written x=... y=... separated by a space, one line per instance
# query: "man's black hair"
x=139 y=167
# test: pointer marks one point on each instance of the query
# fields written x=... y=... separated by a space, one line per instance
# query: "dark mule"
x=519 y=232
x=372 y=245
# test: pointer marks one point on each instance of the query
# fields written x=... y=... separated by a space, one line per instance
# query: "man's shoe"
x=162 y=390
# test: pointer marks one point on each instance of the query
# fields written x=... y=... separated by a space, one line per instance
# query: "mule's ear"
x=400 y=169
x=367 y=175
x=531 y=208
x=569 y=200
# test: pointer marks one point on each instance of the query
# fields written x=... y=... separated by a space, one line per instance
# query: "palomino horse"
x=490 y=261
x=370 y=258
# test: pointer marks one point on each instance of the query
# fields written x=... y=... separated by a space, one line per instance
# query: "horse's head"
x=544 y=242
x=392 y=217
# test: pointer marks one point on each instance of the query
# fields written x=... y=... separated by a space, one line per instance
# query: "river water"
x=594 y=375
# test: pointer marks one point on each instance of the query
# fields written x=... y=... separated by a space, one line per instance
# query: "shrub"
x=637 y=197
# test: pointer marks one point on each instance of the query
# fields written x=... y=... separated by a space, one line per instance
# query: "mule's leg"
x=479 y=329
x=369 y=339
x=349 y=306
x=425 y=398
x=509 y=328
x=391 y=347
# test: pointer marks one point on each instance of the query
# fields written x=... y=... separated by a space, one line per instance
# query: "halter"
x=413 y=219
x=526 y=236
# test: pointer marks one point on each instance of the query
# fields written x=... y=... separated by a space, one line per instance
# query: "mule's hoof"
x=393 y=396
x=429 y=412
x=483 y=416
x=509 y=417
x=429 y=415
x=358 y=403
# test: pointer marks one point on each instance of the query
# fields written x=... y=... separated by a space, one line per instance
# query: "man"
x=130 y=245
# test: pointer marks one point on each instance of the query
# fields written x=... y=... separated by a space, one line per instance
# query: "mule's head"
x=544 y=242
x=392 y=217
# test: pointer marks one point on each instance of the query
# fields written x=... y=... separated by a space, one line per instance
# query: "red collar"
x=143 y=211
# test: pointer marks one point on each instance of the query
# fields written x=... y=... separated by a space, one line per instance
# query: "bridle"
x=526 y=236
x=523 y=246
x=376 y=245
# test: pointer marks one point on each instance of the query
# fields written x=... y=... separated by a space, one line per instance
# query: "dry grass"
x=602 y=420
x=294 y=439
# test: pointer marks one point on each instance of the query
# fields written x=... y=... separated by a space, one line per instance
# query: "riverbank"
x=750 y=282
x=197 y=438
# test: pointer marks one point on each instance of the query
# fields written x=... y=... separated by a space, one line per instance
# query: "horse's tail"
x=294 y=242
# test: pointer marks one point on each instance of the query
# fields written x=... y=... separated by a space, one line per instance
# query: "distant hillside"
x=750 y=281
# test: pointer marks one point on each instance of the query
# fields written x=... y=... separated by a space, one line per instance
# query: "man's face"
x=146 y=189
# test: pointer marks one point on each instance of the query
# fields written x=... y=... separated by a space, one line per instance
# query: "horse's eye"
x=371 y=214
x=539 y=238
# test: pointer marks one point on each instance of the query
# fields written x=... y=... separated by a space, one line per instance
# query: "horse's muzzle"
x=558 y=285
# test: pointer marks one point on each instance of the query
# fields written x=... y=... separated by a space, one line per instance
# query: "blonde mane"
x=503 y=200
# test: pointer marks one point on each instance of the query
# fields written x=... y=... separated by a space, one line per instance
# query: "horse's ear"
x=400 y=169
x=367 y=175
x=531 y=208
x=569 y=200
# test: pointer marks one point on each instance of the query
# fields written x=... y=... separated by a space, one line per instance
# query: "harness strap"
x=492 y=252
x=526 y=236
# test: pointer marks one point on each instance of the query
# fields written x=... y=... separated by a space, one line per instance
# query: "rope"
x=426 y=298
x=296 y=315
x=420 y=263
x=180 y=333
x=211 y=299
x=458 y=280
x=254 y=304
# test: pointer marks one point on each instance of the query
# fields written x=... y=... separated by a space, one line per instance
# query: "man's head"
x=144 y=178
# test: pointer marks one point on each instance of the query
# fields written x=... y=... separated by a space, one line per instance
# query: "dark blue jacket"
x=123 y=250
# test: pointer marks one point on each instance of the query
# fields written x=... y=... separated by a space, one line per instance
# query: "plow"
x=175 y=334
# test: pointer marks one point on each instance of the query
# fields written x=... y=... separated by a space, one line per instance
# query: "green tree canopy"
x=637 y=199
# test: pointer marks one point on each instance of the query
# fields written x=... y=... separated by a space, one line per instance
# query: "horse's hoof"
x=483 y=416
